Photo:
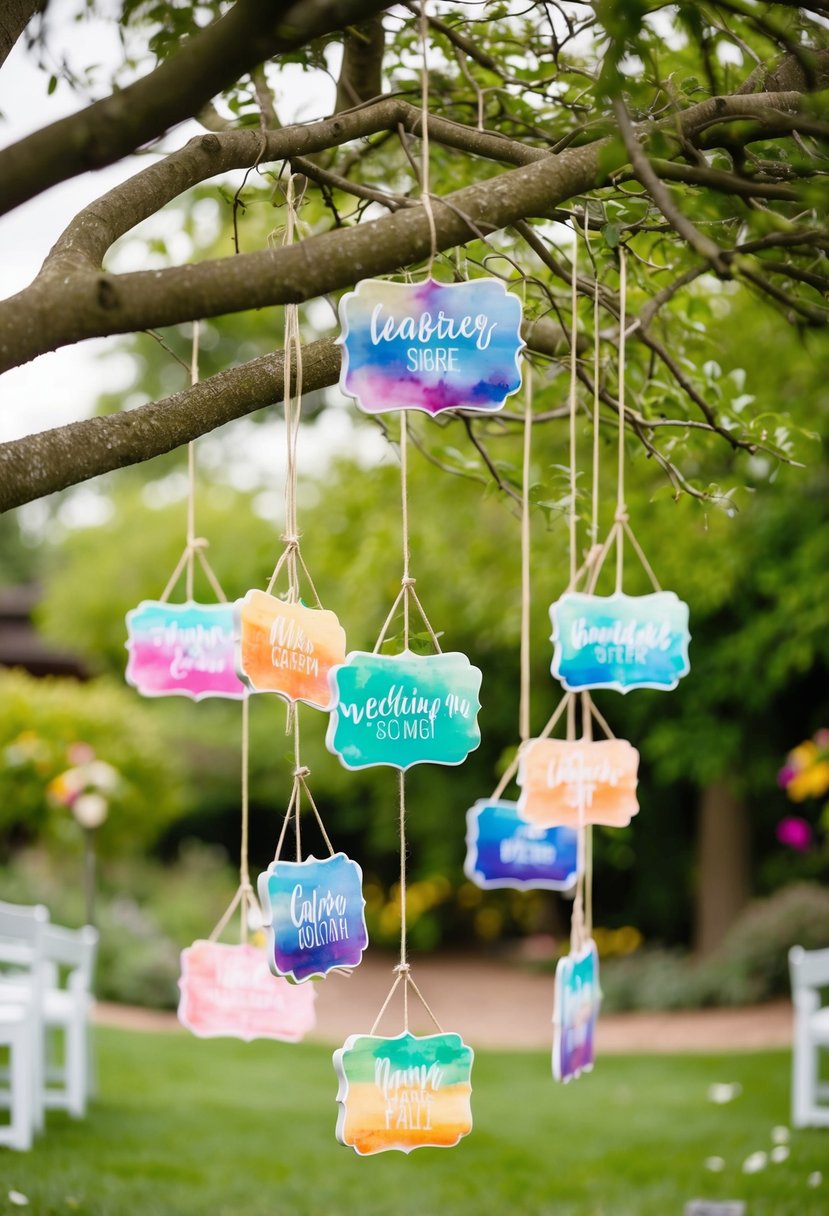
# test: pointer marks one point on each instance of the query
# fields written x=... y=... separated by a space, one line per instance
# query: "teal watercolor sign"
x=430 y=346
x=620 y=641
x=404 y=709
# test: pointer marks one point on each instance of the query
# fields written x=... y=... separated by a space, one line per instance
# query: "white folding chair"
x=809 y=972
x=69 y=961
x=21 y=932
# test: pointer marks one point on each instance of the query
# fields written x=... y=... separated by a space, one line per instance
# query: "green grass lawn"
x=221 y=1128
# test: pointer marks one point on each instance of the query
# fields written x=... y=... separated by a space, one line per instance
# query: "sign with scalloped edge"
x=229 y=990
x=430 y=346
x=404 y=709
x=314 y=913
x=578 y=782
x=575 y=1012
x=403 y=1093
x=620 y=641
x=182 y=650
x=288 y=648
x=503 y=850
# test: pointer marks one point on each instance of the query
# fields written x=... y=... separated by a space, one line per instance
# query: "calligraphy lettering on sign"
x=620 y=641
x=229 y=990
x=578 y=782
x=403 y=1093
x=430 y=346
x=182 y=650
x=288 y=648
x=404 y=709
x=503 y=850
x=314 y=913
x=575 y=1012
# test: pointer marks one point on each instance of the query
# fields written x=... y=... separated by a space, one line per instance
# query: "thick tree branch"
x=361 y=73
x=252 y=31
x=62 y=308
x=65 y=456
x=15 y=15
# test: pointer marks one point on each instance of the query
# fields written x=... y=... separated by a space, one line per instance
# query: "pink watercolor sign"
x=229 y=990
x=185 y=650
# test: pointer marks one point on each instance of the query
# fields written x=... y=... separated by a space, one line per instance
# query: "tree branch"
x=15 y=15
x=65 y=456
x=252 y=31
x=60 y=308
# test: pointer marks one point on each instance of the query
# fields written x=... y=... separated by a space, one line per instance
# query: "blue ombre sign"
x=404 y=709
x=620 y=641
x=314 y=915
x=576 y=1010
x=503 y=850
x=430 y=346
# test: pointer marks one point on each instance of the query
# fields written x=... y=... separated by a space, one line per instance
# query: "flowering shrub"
x=804 y=775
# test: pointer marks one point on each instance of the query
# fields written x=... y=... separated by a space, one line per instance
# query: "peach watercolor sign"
x=288 y=648
x=229 y=990
x=571 y=782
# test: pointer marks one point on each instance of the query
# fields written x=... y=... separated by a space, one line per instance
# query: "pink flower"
x=796 y=833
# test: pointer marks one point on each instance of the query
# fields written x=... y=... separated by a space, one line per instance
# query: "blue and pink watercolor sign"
x=314 y=915
x=183 y=650
x=430 y=346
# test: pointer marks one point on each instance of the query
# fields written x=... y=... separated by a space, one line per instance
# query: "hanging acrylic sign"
x=288 y=648
x=314 y=914
x=182 y=650
x=430 y=346
x=403 y=1093
x=404 y=709
x=620 y=641
x=503 y=850
x=578 y=782
x=228 y=990
x=576 y=1010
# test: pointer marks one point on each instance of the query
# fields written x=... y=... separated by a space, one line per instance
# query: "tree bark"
x=15 y=15
x=723 y=865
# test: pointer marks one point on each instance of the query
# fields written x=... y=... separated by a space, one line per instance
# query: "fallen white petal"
x=779 y=1153
x=755 y=1162
x=780 y=1135
x=18 y=1199
x=722 y=1092
x=815 y=1179
x=714 y=1164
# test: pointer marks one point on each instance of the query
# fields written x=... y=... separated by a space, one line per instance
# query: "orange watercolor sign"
x=229 y=990
x=573 y=782
x=287 y=648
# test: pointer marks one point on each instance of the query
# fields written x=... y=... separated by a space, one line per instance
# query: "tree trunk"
x=722 y=885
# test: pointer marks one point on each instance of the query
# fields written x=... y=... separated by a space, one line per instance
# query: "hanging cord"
x=245 y=898
x=407 y=594
x=621 y=510
x=574 y=324
x=524 y=697
x=195 y=546
x=292 y=381
x=426 y=197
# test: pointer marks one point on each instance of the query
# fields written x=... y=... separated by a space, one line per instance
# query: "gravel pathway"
x=495 y=1004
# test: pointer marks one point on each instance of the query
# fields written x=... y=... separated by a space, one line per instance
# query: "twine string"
x=574 y=322
x=524 y=696
x=621 y=510
x=424 y=139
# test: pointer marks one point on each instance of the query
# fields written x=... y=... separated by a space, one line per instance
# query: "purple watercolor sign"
x=576 y=1010
x=430 y=346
